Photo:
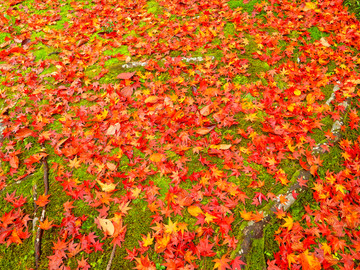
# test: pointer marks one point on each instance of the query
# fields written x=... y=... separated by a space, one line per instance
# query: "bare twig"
x=108 y=267
x=42 y=217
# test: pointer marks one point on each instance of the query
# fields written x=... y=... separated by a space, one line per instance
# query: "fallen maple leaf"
x=309 y=261
x=111 y=166
x=156 y=157
x=194 y=210
x=148 y=240
x=14 y=162
x=113 y=129
x=222 y=263
x=106 y=187
x=127 y=91
x=46 y=224
x=324 y=42
x=289 y=222
x=42 y=200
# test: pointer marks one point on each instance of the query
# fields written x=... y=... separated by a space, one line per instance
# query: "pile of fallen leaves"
x=188 y=122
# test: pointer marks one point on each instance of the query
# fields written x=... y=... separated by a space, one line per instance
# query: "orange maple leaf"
x=42 y=200
x=46 y=224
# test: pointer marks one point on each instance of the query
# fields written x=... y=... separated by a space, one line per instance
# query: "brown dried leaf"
x=324 y=42
x=107 y=226
x=204 y=130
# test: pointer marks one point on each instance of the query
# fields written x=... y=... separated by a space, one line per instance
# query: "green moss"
x=256 y=257
x=114 y=70
x=240 y=79
x=154 y=7
x=92 y=71
x=64 y=10
x=279 y=79
x=331 y=161
x=49 y=70
x=138 y=225
x=248 y=7
x=163 y=183
x=316 y=34
x=3 y=36
x=112 y=61
x=43 y=52
x=17 y=256
x=270 y=245
x=114 y=51
x=229 y=29
x=353 y=6
x=319 y=134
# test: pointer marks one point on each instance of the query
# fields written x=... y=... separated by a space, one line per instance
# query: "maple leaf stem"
x=108 y=267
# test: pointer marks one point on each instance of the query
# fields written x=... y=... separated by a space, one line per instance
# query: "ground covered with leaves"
x=153 y=134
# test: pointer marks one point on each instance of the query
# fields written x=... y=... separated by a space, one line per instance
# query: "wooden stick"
x=108 y=267
x=42 y=217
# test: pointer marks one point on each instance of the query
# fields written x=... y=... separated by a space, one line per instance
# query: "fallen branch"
x=255 y=230
x=42 y=217
x=142 y=64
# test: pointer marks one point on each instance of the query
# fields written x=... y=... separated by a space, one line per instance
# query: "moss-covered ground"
x=111 y=55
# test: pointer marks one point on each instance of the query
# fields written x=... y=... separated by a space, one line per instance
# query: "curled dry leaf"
x=205 y=130
x=206 y=110
x=25 y=42
x=107 y=226
x=111 y=166
x=221 y=146
x=125 y=76
x=324 y=42
x=23 y=133
x=194 y=210
x=112 y=129
x=81 y=42
x=127 y=91
x=151 y=99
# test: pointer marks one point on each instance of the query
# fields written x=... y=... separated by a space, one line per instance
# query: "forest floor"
x=179 y=135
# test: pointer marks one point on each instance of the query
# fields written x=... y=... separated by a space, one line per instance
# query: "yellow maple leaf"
x=289 y=222
x=209 y=218
x=292 y=258
x=326 y=248
x=194 y=210
x=148 y=240
x=106 y=187
x=171 y=227
x=157 y=157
